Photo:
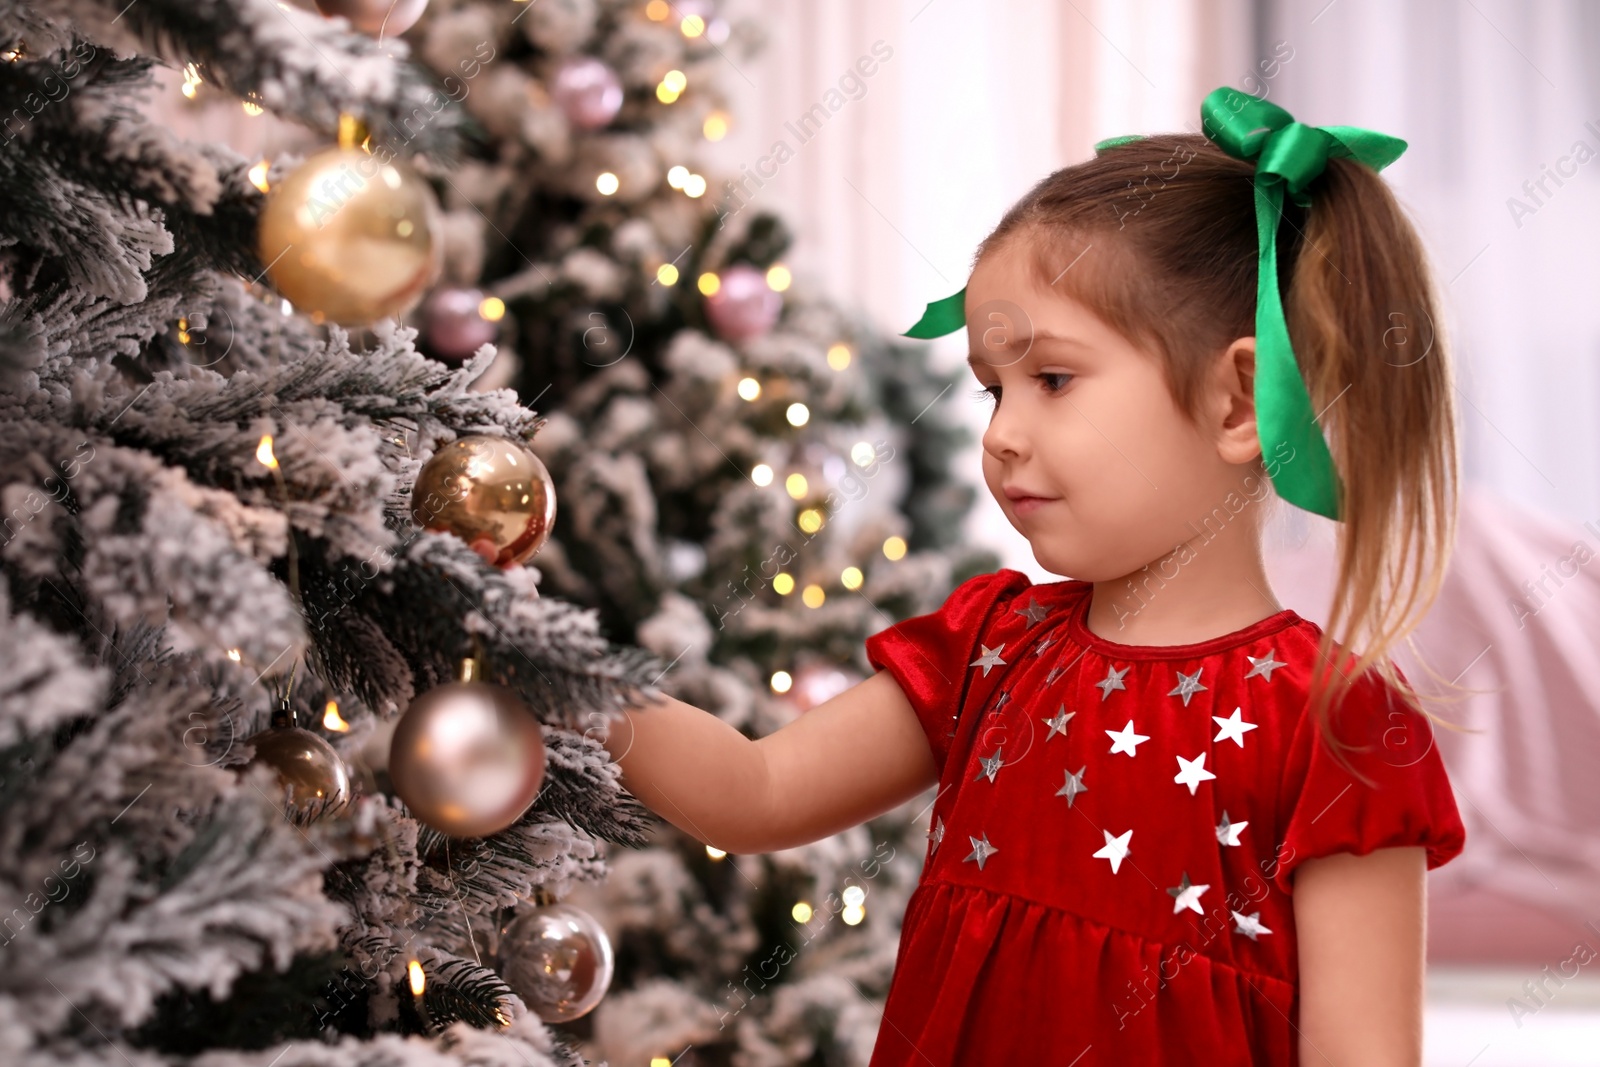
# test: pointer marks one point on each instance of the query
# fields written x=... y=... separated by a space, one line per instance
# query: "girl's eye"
x=1051 y=382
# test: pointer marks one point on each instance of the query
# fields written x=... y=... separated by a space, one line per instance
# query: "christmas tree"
x=260 y=534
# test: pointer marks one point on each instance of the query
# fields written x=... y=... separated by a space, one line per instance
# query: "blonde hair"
x=1171 y=219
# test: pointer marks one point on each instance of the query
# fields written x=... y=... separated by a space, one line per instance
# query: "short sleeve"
x=928 y=654
x=1409 y=800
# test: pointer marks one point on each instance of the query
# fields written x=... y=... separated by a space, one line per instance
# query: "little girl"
x=1176 y=823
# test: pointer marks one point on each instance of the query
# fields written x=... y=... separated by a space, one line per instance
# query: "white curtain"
x=978 y=101
x=1489 y=93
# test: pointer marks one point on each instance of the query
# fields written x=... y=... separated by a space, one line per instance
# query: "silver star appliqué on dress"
x=1058 y=723
x=1233 y=728
x=1125 y=740
x=1035 y=612
x=1228 y=831
x=1112 y=680
x=1187 y=895
x=936 y=834
x=990 y=658
x=1044 y=643
x=1191 y=772
x=1188 y=685
x=1055 y=672
x=981 y=850
x=1249 y=925
x=1074 y=786
x=1264 y=665
x=991 y=766
x=1115 y=849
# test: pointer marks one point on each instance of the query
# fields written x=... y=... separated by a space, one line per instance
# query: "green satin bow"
x=1288 y=156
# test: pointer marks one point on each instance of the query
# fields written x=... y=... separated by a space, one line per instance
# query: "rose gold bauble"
x=314 y=777
x=467 y=758
x=376 y=18
x=490 y=492
x=558 y=959
x=351 y=239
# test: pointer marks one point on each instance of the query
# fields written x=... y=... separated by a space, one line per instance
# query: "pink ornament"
x=452 y=326
x=744 y=306
x=587 y=91
x=819 y=683
x=376 y=18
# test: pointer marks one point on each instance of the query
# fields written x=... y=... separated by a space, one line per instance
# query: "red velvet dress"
x=1108 y=871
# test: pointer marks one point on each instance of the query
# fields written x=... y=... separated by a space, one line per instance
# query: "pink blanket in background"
x=1518 y=621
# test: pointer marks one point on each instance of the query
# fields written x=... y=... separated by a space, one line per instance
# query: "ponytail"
x=1362 y=315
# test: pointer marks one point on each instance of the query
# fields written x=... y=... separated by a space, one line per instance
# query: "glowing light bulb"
x=796 y=485
x=852 y=578
x=778 y=277
x=781 y=681
x=709 y=283
x=667 y=274
x=715 y=853
x=419 y=981
x=695 y=186
x=894 y=548
x=264 y=453
x=761 y=474
x=716 y=126
x=810 y=521
x=332 y=720
x=839 y=356
x=801 y=912
x=749 y=388
x=607 y=183
x=797 y=414
x=693 y=26
x=258 y=175
x=492 y=308
x=677 y=176
x=783 y=584
x=813 y=596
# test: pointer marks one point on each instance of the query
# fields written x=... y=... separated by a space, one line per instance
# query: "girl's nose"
x=1005 y=436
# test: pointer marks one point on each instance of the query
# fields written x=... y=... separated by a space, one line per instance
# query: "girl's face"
x=1084 y=423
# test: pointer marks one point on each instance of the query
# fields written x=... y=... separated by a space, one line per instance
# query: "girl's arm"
x=837 y=765
x=1360 y=922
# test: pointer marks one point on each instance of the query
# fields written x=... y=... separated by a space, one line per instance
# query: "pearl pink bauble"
x=376 y=18
x=467 y=758
x=819 y=683
x=744 y=306
x=587 y=91
x=452 y=326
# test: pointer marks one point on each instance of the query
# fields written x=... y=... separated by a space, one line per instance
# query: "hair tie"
x=1288 y=155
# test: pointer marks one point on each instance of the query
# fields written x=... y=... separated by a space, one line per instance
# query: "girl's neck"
x=1201 y=590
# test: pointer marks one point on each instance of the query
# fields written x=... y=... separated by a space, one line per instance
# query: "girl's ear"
x=1232 y=402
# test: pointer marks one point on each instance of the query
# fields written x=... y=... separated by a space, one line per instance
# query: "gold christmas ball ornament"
x=352 y=236
x=491 y=492
x=558 y=959
x=314 y=777
x=467 y=758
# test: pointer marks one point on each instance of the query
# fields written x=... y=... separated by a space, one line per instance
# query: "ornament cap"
x=470 y=669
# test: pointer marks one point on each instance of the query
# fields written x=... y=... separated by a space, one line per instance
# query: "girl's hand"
x=1360 y=923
